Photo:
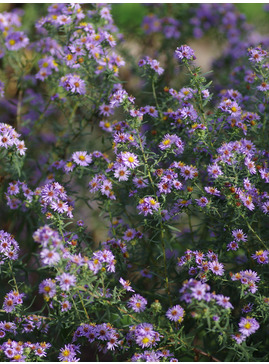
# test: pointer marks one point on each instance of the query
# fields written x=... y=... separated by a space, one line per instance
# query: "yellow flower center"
x=166 y=142
x=66 y=352
x=145 y=340
x=12 y=42
x=131 y=159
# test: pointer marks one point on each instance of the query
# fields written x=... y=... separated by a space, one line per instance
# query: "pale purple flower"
x=82 y=158
x=50 y=257
x=122 y=173
x=65 y=306
x=185 y=52
x=126 y=285
x=16 y=40
x=239 y=235
x=216 y=267
x=199 y=291
x=202 y=201
x=248 y=326
x=212 y=191
x=130 y=160
x=66 y=281
x=223 y=301
x=175 y=313
x=214 y=171
x=233 y=245
x=137 y=303
x=48 y=288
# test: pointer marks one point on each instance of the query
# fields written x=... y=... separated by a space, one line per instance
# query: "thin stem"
x=165 y=265
x=190 y=226
x=161 y=224
x=18 y=118
x=74 y=303
x=13 y=277
x=254 y=232
x=155 y=97
x=86 y=313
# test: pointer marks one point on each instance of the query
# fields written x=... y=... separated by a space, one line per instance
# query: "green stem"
x=13 y=277
x=254 y=232
x=161 y=224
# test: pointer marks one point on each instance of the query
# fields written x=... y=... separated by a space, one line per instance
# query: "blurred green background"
x=129 y=16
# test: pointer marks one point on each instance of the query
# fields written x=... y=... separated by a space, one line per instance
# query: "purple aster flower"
x=12 y=300
x=50 y=257
x=126 y=285
x=247 y=308
x=68 y=353
x=140 y=182
x=175 y=313
x=261 y=256
x=188 y=172
x=233 y=245
x=130 y=160
x=73 y=83
x=239 y=235
x=256 y=54
x=129 y=234
x=165 y=186
x=137 y=303
x=121 y=173
x=250 y=165
x=9 y=248
x=239 y=338
x=223 y=301
x=82 y=158
x=66 y=281
x=151 y=110
x=216 y=267
x=263 y=86
x=16 y=40
x=106 y=110
x=265 y=207
x=185 y=53
x=199 y=291
x=212 y=191
x=48 y=288
x=248 y=326
x=202 y=201
x=214 y=171
x=65 y=306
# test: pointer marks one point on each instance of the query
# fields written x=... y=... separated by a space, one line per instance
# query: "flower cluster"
x=144 y=335
x=194 y=289
x=247 y=327
x=102 y=333
x=9 y=139
x=12 y=300
x=248 y=278
x=126 y=206
x=9 y=248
